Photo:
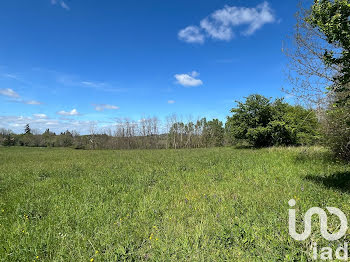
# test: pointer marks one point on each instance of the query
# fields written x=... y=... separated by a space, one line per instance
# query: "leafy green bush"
x=264 y=123
x=337 y=131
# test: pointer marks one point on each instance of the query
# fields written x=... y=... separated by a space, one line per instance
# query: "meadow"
x=218 y=204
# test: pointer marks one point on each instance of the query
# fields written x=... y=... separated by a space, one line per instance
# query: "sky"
x=75 y=63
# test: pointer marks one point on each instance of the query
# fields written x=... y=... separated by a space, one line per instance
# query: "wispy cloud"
x=76 y=81
x=188 y=79
x=73 y=112
x=8 y=92
x=32 y=102
x=101 y=107
x=64 y=5
x=61 y=3
x=10 y=76
x=93 y=84
x=16 y=97
x=40 y=116
x=191 y=34
x=171 y=101
x=27 y=102
x=220 y=24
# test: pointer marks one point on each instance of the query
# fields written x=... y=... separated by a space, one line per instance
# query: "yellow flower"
x=96 y=252
x=91 y=260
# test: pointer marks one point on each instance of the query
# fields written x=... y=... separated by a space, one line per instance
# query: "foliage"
x=27 y=130
x=265 y=123
x=203 y=133
x=214 y=133
x=336 y=127
x=332 y=19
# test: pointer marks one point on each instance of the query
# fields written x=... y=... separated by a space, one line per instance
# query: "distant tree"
x=27 y=129
x=214 y=133
x=250 y=120
x=66 y=139
x=264 y=123
x=48 y=138
x=7 y=138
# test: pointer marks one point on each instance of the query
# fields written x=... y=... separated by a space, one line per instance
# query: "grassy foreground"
x=163 y=205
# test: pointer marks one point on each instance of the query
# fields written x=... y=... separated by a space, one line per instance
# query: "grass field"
x=218 y=204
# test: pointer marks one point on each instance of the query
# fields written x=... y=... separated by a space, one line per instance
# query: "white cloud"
x=42 y=116
x=102 y=107
x=191 y=34
x=64 y=5
x=9 y=92
x=10 y=76
x=17 y=98
x=61 y=3
x=216 y=30
x=188 y=79
x=17 y=123
x=92 y=84
x=220 y=24
x=73 y=112
x=171 y=101
x=32 y=102
x=27 y=102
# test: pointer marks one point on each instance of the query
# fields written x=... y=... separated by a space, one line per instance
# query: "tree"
x=262 y=123
x=66 y=139
x=320 y=65
x=307 y=73
x=27 y=130
x=7 y=138
x=332 y=19
x=214 y=133
x=48 y=138
x=250 y=119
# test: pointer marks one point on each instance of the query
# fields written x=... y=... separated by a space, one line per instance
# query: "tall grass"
x=162 y=205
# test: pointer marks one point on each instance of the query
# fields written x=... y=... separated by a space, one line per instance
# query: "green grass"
x=218 y=204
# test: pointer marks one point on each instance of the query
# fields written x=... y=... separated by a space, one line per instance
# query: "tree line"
x=319 y=73
x=258 y=121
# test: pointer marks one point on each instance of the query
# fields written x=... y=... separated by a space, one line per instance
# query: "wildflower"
x=96 y=252
x=91 y=260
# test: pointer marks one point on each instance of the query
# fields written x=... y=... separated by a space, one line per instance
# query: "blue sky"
x=66 y=64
